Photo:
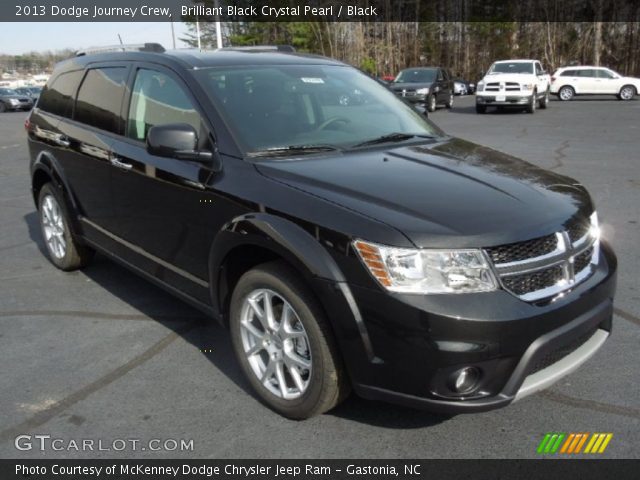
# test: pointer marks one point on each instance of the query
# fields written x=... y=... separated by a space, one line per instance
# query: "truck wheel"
x=566 y=93
x=64 y=250
x=284 y=343
x=544 y=101
x=431 y=103
x=449 y=103
x=481 y=108
x=627 y=92
x=531 y=108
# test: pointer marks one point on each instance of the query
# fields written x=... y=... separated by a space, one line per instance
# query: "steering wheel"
x=331 y=120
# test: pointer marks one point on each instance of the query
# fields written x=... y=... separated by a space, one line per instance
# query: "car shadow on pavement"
x=213 y=340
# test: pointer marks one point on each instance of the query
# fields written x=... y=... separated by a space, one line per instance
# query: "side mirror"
x=175 y=140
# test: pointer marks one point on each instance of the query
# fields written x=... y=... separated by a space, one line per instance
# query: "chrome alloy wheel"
x=275 y=344
x=626 y=93
x=53 y=226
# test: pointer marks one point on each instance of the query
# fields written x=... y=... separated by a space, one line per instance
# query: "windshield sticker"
x=312 y=80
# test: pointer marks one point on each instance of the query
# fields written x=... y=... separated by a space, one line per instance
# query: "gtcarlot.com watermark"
x=44 y=443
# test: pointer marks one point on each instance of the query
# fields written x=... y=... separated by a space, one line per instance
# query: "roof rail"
x=263 y=48
x=139 y=47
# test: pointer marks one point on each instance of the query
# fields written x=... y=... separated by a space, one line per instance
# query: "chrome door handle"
x=62 y=141
x=115 y=161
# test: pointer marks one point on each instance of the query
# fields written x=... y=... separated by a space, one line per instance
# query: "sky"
x=21 y=37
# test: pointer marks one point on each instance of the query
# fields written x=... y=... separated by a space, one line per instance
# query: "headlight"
x=480 y=86
x=527 y=86
x=422 y=91
x=427 y=271
x=13 y=101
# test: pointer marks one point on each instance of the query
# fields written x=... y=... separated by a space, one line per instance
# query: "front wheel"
x=3 y=107
x=566 y=93
x=481 y=109
x=544 y=101
x=627 y=92
x=531 y=108
x=64 y=250
x=284 y=343
x=431 y=103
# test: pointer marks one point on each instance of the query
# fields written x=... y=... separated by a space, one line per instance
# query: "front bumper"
x=509 y=100
x=519 y=347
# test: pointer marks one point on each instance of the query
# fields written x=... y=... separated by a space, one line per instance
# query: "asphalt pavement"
x=103 y=355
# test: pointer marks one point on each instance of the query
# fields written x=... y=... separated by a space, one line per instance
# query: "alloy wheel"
x=275 y=344
x=626 y=93
x=566 y=94
x=53 y=226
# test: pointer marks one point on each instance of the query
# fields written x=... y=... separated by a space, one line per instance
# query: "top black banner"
x=320 y=10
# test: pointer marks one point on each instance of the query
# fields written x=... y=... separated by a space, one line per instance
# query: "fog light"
x=464 y=380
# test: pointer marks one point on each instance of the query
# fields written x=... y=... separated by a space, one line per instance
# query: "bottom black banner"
x=319 y=469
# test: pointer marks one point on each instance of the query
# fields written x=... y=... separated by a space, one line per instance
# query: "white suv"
x=567 y=82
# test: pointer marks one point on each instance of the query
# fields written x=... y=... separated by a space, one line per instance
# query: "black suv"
x=427 y=86
x=344 y=244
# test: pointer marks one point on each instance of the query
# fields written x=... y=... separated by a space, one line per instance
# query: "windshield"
x=7 y=91
x=35 y=89
x=416 y=75
x=511 y=67
x=282 y=106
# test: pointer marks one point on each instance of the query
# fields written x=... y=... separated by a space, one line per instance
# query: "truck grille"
x=506 y=86
x=545 y=266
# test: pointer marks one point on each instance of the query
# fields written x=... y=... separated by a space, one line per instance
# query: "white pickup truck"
x=514 y=83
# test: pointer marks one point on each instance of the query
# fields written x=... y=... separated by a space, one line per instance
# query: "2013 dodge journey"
x=345 y=240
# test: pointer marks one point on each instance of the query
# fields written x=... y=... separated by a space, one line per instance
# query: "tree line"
x=467 y=48
x=33 y=62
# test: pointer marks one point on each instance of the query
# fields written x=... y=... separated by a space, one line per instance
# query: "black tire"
x=627 y=92
x=328 y=384
x=481 y=108
x=566 y=93
x=544 y=101
x=531 y=108
x=449 y=103
x=432 y=103
x=75 y=254
x=3 y=107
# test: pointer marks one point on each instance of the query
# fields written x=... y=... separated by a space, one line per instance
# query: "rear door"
x=86 y=140
x=166 y=220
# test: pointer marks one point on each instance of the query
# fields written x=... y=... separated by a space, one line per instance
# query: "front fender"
x=303 y=251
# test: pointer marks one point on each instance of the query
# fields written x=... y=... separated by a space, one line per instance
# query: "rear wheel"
x=566 y=93
x=284 y=343
x=64 y=250
x=449 y=103
x=627 y=92
x=3 y=107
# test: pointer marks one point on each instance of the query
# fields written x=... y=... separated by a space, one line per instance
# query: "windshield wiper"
x=392 y=137
x=294 y=149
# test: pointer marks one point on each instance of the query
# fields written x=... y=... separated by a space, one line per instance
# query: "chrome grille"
x=546 y=266
x=507 y=86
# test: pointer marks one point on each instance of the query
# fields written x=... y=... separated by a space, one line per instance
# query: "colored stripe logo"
x=573 y=443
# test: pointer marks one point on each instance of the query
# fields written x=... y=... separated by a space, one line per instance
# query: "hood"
x=398 y=87
x=509 y=77
x=451 y=193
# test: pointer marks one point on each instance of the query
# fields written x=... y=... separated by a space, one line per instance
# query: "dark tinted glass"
x=587 y=73
x=57 y=98
x=158 y=100
x=568 y=73
x=604 y=74
x=100 y=98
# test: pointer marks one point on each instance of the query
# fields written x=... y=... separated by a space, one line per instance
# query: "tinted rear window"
x=100 y=98
x=57 y=98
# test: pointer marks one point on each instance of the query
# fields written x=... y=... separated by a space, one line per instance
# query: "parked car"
x=514 y=83
x=567 y=82
x=459 y=87
x=430 y=86
x=12 y=100
x=345 y=246
x=33 y=92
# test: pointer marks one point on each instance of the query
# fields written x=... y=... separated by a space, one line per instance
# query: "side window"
x=538 y=69
x=100 y=98
x=440 y=75
x=568 y=73
x=57 y=98
x=158 y=100
x=587 y=73
x=604 y=74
